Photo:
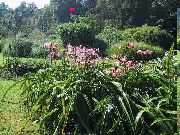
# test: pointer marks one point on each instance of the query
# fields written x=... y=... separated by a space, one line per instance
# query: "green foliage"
x=121 y=49
x=3 y=32
x=152 y=35
x=19 y=48
x=14 y=67
x=75 y=34
x=39 y=52
x=16 y=121
x=2 y=44
x=178 y=43
x=93 y=21
x=110 y=35
x=72 y=100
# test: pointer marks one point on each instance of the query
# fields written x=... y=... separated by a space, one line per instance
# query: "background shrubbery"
x=152 y=35
x=18 y=67
x=110 y=35
x=19 y=48
x=122 y=49
x=2 y=44
x=75 y=34
x=178 y=43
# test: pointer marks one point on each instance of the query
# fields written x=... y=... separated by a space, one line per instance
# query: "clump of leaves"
x=72 y=100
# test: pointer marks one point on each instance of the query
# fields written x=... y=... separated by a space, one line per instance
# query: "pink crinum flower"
x=132 y=45
x=52 y=49
x=82 y=55
x=114 y=71
x=147 y=52
x=124 y=61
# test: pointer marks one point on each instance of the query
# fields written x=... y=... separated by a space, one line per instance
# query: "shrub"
x=19 y=48
x=39 y=52
x=93 y=21
x=121 y=49
x=2 y=44
x=152 y=35
x=75 y=34
x=178 y=43
x=110 y=35
x=19 y=67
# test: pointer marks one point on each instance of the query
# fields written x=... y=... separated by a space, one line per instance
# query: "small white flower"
x=110 y=107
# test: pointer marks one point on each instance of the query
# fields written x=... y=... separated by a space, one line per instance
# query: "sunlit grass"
x=13 y=117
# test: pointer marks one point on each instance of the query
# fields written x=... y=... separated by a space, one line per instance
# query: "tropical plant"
x=87 y=100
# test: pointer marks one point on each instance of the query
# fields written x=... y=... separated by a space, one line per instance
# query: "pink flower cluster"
x=50 y=46
x=82 y=55
x=147 y=52
x=114 y=71
x=53 y=49
x=124 y=61
x=132 y=45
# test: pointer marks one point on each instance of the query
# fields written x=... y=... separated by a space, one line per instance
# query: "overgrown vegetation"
x=80 y=98
x=107 y=67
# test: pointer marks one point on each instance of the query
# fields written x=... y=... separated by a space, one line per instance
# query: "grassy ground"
x=13 y=117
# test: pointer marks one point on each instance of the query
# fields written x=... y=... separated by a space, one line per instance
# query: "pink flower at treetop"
x=72 y=9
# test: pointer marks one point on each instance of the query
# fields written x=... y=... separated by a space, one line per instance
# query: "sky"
x=15 y=3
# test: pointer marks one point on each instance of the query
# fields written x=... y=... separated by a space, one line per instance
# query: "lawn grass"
x=14 y=118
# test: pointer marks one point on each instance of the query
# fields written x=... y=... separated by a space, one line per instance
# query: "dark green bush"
x=75 y=34
x=122 y=49
x=152 y=35
x=19 y=48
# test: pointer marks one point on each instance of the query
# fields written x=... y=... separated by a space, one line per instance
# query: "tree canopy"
x=126 y=13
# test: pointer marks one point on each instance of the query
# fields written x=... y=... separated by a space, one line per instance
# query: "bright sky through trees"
x=15 y=3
